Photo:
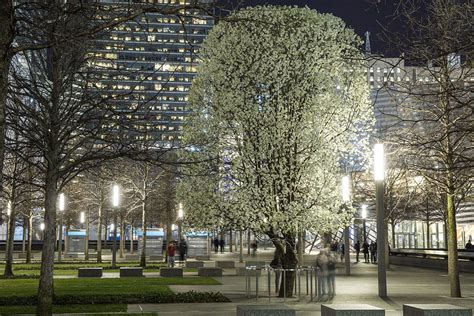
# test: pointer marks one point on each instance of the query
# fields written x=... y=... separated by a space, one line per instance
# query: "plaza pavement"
x=405 y=285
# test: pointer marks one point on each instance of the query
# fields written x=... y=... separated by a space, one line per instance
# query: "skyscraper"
x=146 y=67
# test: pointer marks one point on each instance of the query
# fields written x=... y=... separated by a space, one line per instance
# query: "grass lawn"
x=33 y=269
x=92 y=308
x=28 y=287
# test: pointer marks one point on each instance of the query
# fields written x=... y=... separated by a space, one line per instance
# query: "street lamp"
x=115 y=205
x=379 y=177
x=346 y=197
x=62 y=207
x=180 y=219
x=42 y=227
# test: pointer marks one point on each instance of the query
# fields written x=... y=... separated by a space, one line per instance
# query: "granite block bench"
x=435 y=310
x=242 y=271
x=171 y=272
x=132 y=257
x=209 y=272
x=351 y=310
x=89 y=272
x=265 y=310
x=203 y=257
x=156 y=257
x=225 y=264
x=258 y=264
x=194 y=264
x=131 y=272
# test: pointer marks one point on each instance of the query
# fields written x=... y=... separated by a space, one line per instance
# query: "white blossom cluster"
x=277 y=104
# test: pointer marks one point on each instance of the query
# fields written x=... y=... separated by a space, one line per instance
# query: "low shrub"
x=165 y=297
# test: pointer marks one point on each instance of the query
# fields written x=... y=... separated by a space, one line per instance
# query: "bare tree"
x=434 y=100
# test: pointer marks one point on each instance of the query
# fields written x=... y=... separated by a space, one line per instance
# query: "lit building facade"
x=146 y=67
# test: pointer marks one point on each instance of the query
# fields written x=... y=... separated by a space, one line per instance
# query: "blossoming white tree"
x=280 y=95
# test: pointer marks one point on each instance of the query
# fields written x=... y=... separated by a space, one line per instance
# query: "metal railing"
x=310 y=274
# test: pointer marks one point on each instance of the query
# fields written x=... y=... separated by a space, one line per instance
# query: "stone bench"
x=242 y=271
x=89 y=272
x=131 y=272
x=210 y=272
x=171 y=272
x=132 y=257
x=258 y=264
x=225 y=264
x=203 y=258
x=194 y=264
x=71 y=256
x=93 y=255
x=265 y=310
x=156 y=258
x=435 y=310
x=351 y=310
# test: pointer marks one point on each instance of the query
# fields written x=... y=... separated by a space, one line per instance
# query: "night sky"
x=361 y=15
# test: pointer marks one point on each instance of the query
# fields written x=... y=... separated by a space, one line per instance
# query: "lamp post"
x=180 y=219
x=115 y=205
x=42 y=227
x=379 y=177
x=62 y=206
x=346 y=196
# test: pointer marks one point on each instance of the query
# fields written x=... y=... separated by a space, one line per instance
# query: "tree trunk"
x=230 y=240
x=66 y=241
x=131 y=239
x=300 y=245
x=122 y=236
x=7 y=36
x=30 y=237
x=46 y=284
x=86 y=242
x=23 y=237
x=169 y=236
x=428 y=241
x=453 y=268
x=241 y=246
x=144 y=226
x=248 y=242
x=10 y=241
x=290 y=261
x=393 y=234
x=99 y=234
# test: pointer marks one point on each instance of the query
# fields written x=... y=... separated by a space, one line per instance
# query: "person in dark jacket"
x=357 y=250
x=222 y=244
x=365 y=249
x=373 y=252
x=183 y=249
x=216 y=245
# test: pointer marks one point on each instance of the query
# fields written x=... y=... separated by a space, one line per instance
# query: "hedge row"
x=185 y=297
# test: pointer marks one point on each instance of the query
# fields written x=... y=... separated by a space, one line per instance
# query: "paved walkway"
x=405 y=285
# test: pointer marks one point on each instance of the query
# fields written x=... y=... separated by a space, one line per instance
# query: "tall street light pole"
x=379 y=177
x=115 y=205
x=62 y=206
x=346 y=196
x=180 y=220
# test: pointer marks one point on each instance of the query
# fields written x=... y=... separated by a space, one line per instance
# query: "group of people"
x=171 y=252
x=369 y=251
x=219 y=243
x=338 y=249
x=326 y=262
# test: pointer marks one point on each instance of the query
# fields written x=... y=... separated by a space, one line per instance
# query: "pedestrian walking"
x=171 y=253
x=277 y=263
x=216 y=245
x=373 y=252
x=222 y=244
x=331 y=275
x=183 y=249
x=342 y=252
x=254 y=248
x=357 y=250
x=365 y=248
x=322 y=264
